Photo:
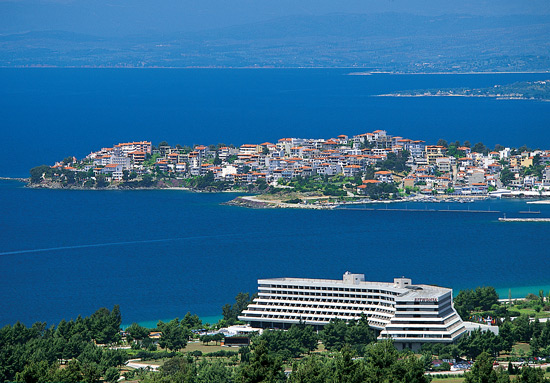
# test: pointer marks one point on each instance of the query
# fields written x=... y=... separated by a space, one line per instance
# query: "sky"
x=130 y=17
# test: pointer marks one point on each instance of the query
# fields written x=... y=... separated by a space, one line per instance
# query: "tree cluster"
x=482 y=298
x=381 y=363
x=231 y=312
x=356 y=334
x=175 y=334
x=483 y=372
x=207 y=182
x=299 y=339
x=35 y=354
x=396 y=162
x=381 y=190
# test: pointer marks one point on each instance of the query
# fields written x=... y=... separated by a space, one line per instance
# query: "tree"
x=231 y=312
x=482 y=298
x=409 y=369
x=522 y=329
x=262 y=367
x=91 y=373
x=136 y=332
x=101 y=181
x=105 y=325
x=214 y=372
x=442 y=142
x=217 y=160
x=312 y=370
x=174 y=335
x=359 y=335
x=506 y=333
x=35 y=372
x=218 y=338
x=192 y=321
x=379 y=358
x=483 y=372
x=40 y=171
x=299 y=339
x=68 y=160
x=480 y=148
x=334 y=334
x=348 y=370
x=178 y=369
x=71 y=373
x=147 y=180
x=111 y=375
x=531 y=375
x=506 y=176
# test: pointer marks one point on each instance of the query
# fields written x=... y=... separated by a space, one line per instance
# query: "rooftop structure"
x=409 y=314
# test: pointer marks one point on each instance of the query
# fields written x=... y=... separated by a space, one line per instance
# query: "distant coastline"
x=359 y=73
x=369 y=73
x=525 y=90
x=459 y=95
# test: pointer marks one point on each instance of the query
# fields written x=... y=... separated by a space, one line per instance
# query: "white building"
x=409 y=314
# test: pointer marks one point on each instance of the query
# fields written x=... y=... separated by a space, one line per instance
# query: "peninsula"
x=525 y=90
x=311 y=173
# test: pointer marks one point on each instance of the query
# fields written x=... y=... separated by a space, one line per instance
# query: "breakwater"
x=504 y=219
x=420 y=210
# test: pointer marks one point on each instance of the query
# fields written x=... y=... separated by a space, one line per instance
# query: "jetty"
x=504 y=219
x=340 y=207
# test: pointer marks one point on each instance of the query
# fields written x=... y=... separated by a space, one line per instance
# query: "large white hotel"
x=409 y=314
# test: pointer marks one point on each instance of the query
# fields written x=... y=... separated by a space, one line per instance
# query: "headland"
x=312 y=173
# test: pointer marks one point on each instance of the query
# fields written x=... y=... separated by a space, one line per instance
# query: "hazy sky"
x=123 y=17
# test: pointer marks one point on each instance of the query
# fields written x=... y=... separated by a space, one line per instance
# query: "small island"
x=311 y=173
x=525 y=90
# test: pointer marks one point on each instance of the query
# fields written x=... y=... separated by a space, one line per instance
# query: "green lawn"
x=447 y=380
x=530 y=312
x=199 y=346
x=521 y=346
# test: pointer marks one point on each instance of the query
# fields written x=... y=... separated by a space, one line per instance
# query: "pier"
x=416 y=210
x=504 y=219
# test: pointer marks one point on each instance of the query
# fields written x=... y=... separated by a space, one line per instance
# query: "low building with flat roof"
x=409 y=314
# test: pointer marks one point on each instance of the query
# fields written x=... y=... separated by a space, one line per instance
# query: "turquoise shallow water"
x=160 y=254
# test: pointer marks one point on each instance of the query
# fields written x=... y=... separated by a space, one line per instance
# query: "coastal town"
x=373 y=165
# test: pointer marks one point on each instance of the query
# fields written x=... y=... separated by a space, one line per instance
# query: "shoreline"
x=250 y=200
x=369 y=73
x=459 y=95
x=518 y=292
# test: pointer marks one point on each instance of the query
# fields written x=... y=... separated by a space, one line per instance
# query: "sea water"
x=49 y=114
x=160 y=254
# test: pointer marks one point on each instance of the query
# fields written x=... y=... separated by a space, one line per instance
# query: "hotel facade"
x=409 y=314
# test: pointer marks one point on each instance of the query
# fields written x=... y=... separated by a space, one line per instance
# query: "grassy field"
x=205 y=349
x=518 y=347
x=531 y=313
x=448 y=380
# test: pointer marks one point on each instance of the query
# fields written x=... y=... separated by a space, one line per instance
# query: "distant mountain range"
x=388 y=41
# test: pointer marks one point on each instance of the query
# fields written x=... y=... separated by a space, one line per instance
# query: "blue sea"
x=160 y=254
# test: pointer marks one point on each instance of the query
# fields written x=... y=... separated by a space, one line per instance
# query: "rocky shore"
x=256 y=203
